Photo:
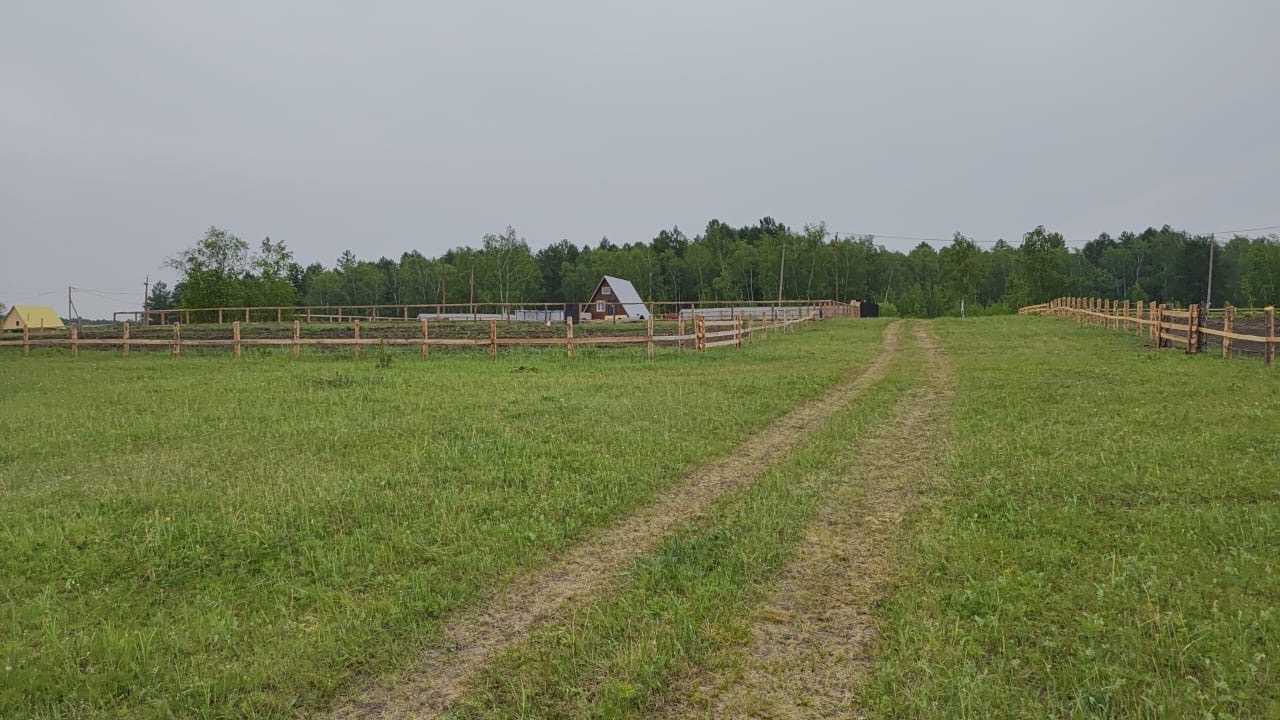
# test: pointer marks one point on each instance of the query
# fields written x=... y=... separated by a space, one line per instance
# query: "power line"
x=27 y=296
x=913 y=238
x=107 y=292
x=1243 y=230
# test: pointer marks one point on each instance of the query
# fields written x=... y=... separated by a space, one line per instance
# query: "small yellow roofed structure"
x=34 y=317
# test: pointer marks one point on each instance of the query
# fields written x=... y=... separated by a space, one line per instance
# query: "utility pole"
x=473 y=290
x=146 y=298
x=782 y=265
x=835 y=254
x=69 y=303
x=1208 y=293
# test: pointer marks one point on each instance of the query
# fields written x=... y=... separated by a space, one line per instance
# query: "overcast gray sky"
x=127 y=128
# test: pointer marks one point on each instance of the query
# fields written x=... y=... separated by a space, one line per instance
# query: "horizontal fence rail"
x=1165 y=325
x=506 y=311
x=690 y=332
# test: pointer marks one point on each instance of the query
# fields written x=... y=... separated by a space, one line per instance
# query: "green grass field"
x=206 y=537
x=1107 y=544
x=212 y=538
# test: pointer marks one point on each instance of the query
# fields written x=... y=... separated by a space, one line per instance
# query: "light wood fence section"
x=476 y=312
x=701 y=338
x=1166 y=326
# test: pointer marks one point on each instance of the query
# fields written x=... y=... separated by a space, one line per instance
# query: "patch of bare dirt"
x=468 y=639
x=811 y=636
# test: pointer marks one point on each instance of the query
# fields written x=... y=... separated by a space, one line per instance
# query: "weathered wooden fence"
x=736 y=333
x=1166 y=326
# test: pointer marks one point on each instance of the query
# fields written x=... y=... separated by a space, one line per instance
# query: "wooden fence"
x=456 y=311
x=699 y=339
x=1166 y=326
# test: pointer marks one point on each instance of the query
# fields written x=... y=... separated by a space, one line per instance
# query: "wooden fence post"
x=308 y=314
x=235 y=338
x=426 y=349
x=493 y=339
x=568 y=342
x=297 y=332
x=1228 y=321
x=1202 y=317
x=219 y=316
x=737 y=333
x=1158 y=328
x=26 y=339
x=751 y=329
x=75 y=341
x=680 y=329
x=124 y=348
x=177 y=340
x=1126 y=315
x=246 y=316
x=650 y=336
x=1152 y=312
x=1193 y=313
x=1269 y=354
x=356 y=329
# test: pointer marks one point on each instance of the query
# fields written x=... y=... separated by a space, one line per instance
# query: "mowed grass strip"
x=1107 y=543
x=212 y=538
x=684 y=611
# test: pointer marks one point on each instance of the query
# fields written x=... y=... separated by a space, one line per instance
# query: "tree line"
x=759 y=262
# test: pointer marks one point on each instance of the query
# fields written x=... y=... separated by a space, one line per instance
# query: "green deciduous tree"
x=729 y=263
x=212 y=270
x=507 y=268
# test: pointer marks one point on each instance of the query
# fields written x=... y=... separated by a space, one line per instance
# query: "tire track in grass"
x=469 y=638
x=810 y=638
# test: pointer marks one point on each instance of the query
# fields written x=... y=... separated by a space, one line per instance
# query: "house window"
x=600 y=307
x=605 y=290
